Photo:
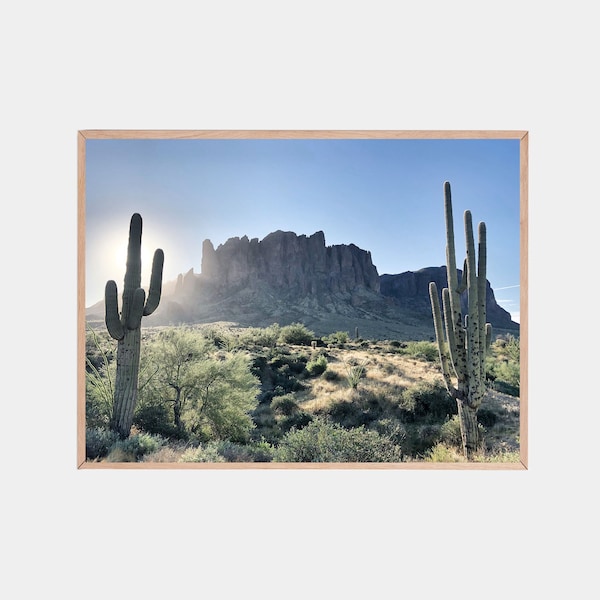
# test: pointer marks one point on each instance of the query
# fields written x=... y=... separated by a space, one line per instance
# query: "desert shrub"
x=339 y=337
x=322 y=441
x=284 y=405
x=165 y=454
x=316 y=366
x=500 y=456
x=96 y=415
x=297 y=334
x=263 y=415
x=364 y=407
x=508 y=373
x=220 y=337
x=297 y=420
x=204 y=453
x=155 y=416
x=430 y=400
x=279 y=372
x=513 y=348
x=258 y=452
x=450 y=433
x=503 y=365
x=264 y=337
x=443 y=453
x=348 y=414
x=428 y=434
x=422 y=350
x=98 y=442
x=390 y=428
x=134 y=447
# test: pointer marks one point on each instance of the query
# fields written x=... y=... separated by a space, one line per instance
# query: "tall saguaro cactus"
x=125 y=327
x=463 y=344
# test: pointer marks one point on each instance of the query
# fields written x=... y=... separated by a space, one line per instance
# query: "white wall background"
x=281 y=65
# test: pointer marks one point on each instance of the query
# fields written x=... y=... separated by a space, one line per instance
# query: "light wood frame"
x=522 y=136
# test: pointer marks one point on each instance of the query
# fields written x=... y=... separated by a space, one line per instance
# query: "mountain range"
x=287 y=278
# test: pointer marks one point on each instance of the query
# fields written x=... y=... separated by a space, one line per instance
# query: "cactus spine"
x=462 y=345
x=125 y=327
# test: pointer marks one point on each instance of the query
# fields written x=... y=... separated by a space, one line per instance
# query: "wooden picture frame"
x=85 y=137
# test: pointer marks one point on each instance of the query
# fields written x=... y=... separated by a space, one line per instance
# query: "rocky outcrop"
x=295 y=265
x=411 y=289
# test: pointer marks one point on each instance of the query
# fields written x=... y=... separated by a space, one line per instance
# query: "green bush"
x=265 y=337
x=422 y=350
x=155 y=417
x=284 y=405
x=204 y=453
x=257 y=452
x=430 y=400
x=339 y=337
x=503 y=365
x=450 y=433
x=350 y=414
x=134 y=447
x=297 y=334
x=442 y=453
x=316 y=366
x=98 y=442
x=322 y=441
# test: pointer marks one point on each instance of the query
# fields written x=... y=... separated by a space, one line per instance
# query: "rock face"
x=412 y=290
x=292 y=264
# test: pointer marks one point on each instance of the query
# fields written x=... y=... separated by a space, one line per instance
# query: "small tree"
x=227 y=393
x=176 y=354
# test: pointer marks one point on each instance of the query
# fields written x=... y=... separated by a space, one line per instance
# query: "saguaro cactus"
x=463 y=344
x=125 y=327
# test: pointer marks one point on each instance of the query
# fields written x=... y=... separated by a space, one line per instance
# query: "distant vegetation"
x=281 y=394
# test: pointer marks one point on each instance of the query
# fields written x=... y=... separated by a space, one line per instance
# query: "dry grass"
x=384 y=371
x=388 y=373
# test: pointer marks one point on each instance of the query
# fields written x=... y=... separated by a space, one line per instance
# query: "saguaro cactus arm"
x=439 y=334
x=111 y=304
x=481 y=295
x=155 y=289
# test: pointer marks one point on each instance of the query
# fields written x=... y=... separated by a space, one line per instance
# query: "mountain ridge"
x=288 y=278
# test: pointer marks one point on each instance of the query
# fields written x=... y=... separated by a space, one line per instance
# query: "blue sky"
x=384 y=195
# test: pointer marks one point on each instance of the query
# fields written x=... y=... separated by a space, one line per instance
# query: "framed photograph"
x=302 y=299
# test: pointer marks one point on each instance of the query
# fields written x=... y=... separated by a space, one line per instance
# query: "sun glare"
x=120 y=260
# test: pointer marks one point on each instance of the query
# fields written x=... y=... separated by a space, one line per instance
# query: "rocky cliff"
x=291 y=264
x=411 y=289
